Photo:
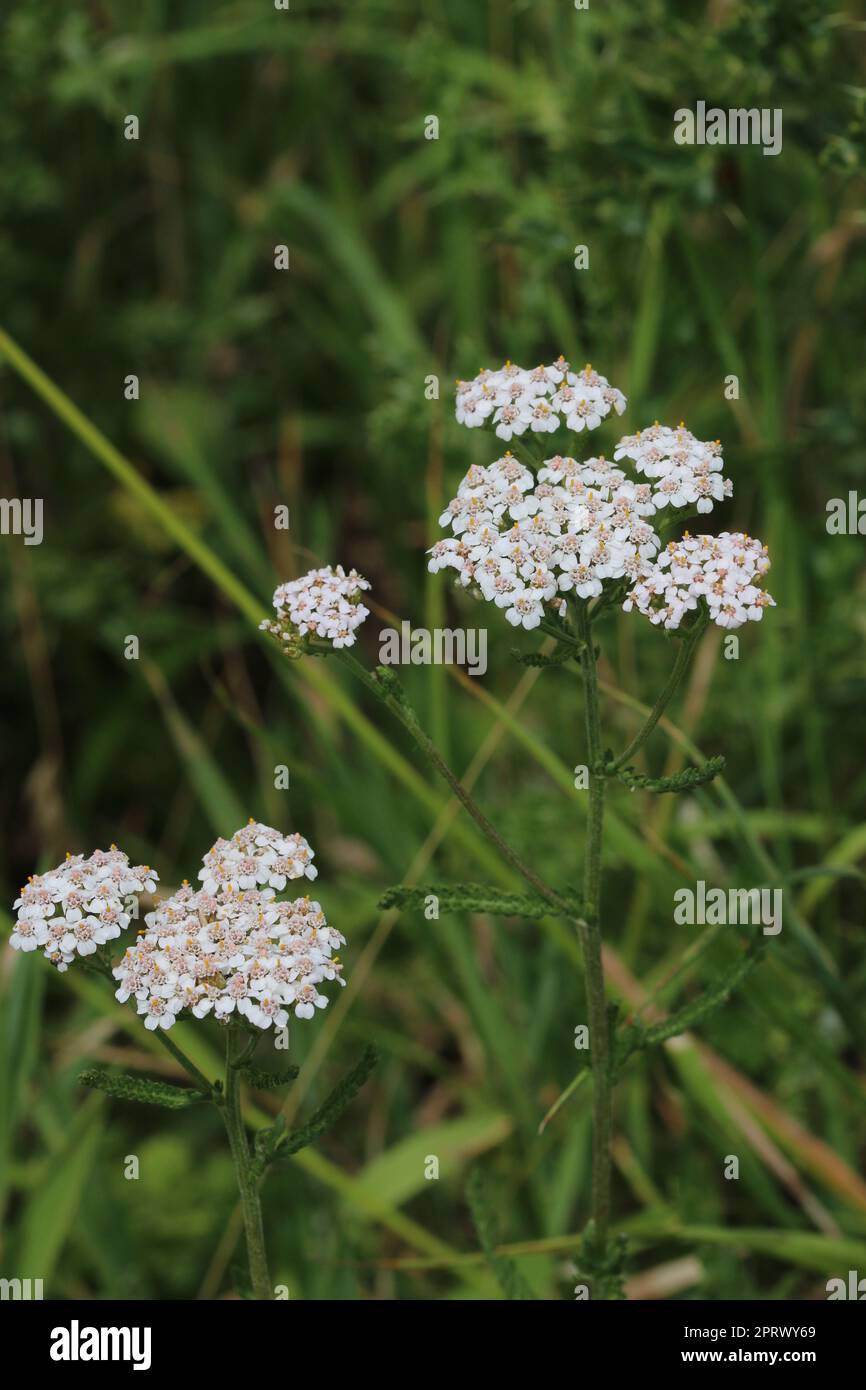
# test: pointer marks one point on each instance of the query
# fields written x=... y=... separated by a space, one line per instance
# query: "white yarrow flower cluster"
x=256 y=856
x=324 y=603
x=685 y=471
x=523 y=543
x=231 y=947
x=725 y=570
x=74 y=909
x=540 y=400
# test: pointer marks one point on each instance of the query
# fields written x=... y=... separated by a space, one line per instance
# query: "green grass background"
x=409 y=258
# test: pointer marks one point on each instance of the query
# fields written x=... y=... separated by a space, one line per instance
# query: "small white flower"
x=579 y=525
x=724 y=570
x=74 y=909
x=325 y=603
x=230 y=948
x=541 y=400
x=685 y=470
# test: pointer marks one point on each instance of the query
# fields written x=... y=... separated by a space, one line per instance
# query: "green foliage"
x=267 y=1144
x=636 y=1037
x=477 y=897
x=121 y=1086
x=268 y=1080
x=277 y=1142
x=603 y=1271
x=413 y=257
x=506 y=1273
x=558 y=657
x=684 y=781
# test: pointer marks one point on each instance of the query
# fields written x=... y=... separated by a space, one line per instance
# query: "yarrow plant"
x=232 y=949
x=539 y=400
x=725 y=571
x=325 y=603
x=231 y=946
x=556 y=543
x=523 y=543
x=79 y=906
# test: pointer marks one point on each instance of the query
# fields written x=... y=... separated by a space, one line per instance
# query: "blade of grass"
x=51 y=1211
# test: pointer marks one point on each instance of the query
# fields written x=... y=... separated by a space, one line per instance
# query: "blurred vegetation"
x=412 y=257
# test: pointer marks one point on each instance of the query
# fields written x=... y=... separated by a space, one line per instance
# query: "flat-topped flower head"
x=725 y=570
x=684 y=471
x=539 y=399
x=256 y=856
x=523 y=543
x=79 y=906
x=323 y=604
x=243 y=954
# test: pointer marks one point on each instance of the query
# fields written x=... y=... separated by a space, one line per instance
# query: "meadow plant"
x=232 y=949
x=557 y=544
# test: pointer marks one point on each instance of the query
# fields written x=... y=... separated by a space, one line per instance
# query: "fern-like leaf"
x=505 y=1272
x=138 y=1088
x=275 y=1144
x=684 y=781
x=268 y=1080
x=479 y=897
x=558 y=657
x=636 y=1037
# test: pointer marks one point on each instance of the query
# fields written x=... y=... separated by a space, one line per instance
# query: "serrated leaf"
x=636 y=1037
x=273 y=1143
x=268 y=1080
x=506 y=1273
x=680 y=782
x=556 y=658
x=139 y=1088
x=478 y=897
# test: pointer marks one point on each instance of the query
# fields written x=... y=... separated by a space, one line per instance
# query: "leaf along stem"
x=409 y=720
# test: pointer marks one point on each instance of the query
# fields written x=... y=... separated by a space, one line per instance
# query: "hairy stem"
x=588 y=927
x=680 y=666
x=201 y=1081
x=247 y=1184
x=409 y=721
x=561 y=636
x=591 y=941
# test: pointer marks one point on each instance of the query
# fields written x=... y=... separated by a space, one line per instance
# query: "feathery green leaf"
x=479 y=897
x=268 y=1080
x=274 y=1143
x=635 y=1037
x=506 y=1273
x=139 y=1088
x=680 y=782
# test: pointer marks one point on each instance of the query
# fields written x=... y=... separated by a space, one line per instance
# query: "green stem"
x=680 y=666
x=245 y=1054
x=611 y=595
x=588 y=930
x=247 y=1184
x=592 y=948
x=100 y=964
x=410 y=722
x=201 y=1081
x=553 y=631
